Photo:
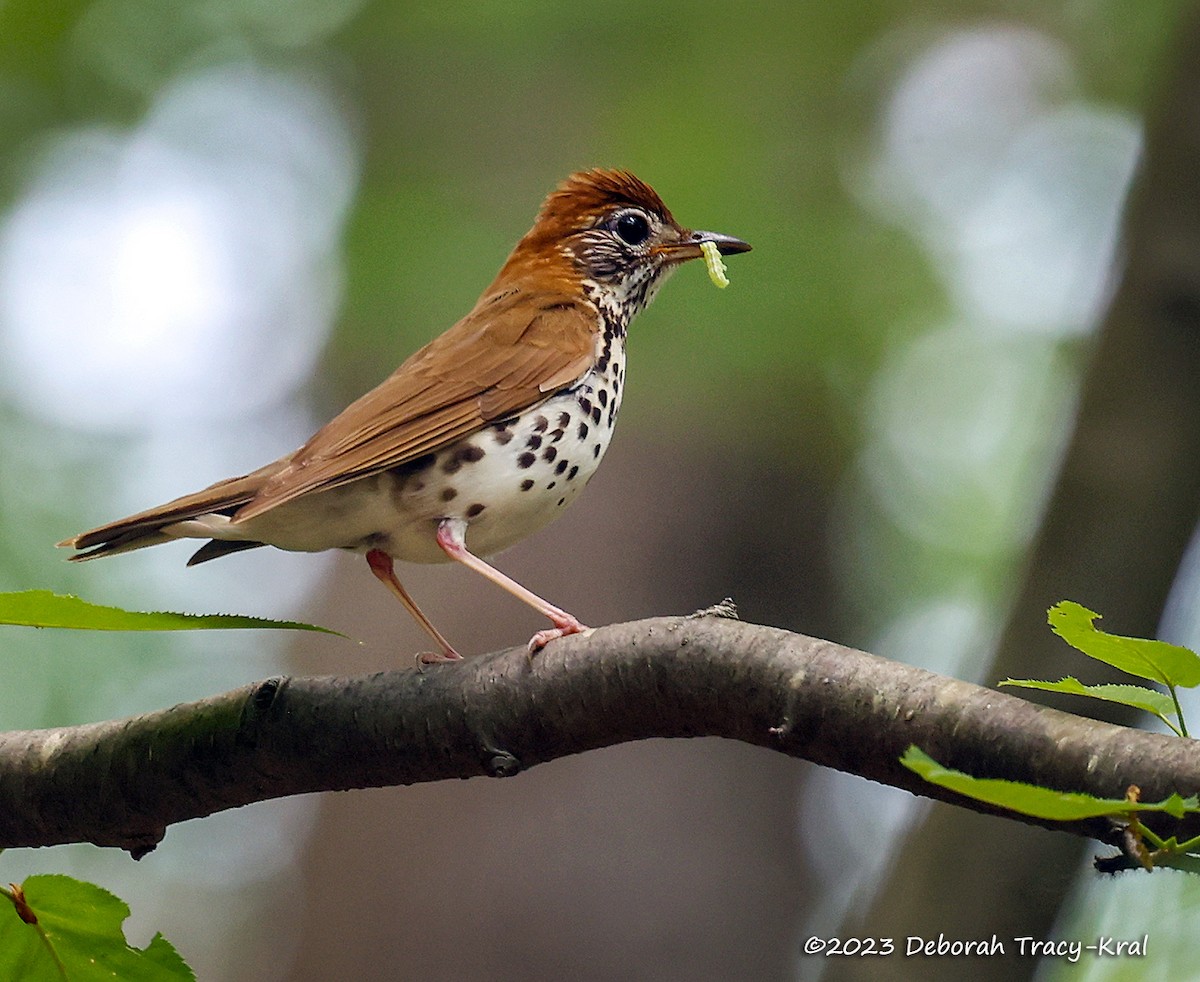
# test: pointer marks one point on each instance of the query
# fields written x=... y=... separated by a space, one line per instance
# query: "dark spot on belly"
x=596 y=415
x=556 y=435
x=451 y=465
x=502 y=434
x=564 y=419
x=571 y=474
x=562 y=466
x=561 y=502
x=526 y=484
x=596 y=450
x=583 y=431
x=602 y=395
x=469 y=454
x=449 y=494
x=475 y=510
x=585 y=404
x=526 y=459
x=535 y=441
x=540 y=424
x=549 y=453
x=550 y=486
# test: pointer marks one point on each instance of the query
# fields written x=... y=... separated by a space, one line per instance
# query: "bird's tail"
x=194 y=516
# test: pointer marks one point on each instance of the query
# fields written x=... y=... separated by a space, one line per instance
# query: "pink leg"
x=451 y=537
x=381 y=565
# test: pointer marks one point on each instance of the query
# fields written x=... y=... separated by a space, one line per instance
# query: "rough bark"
x=122 y=783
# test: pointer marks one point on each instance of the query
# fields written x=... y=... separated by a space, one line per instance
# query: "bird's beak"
x=688 y=247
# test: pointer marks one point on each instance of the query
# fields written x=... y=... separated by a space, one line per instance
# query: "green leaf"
x=41 y=608
x=79 y=924
x=1038 y=802
x=1147 y=659
x=1137 y=696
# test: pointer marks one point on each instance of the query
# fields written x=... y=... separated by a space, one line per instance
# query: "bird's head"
x=609 y=233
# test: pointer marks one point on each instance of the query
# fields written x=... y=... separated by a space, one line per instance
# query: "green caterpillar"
x=716 y=266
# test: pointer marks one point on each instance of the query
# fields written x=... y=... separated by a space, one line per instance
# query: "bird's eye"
x=632 y=228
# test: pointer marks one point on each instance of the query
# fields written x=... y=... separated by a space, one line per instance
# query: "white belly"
x=505 y=482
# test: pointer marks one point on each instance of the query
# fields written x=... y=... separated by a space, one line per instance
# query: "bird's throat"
x=620 y=300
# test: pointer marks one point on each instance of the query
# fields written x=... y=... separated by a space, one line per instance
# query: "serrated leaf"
x=162 y=953
x=1177 y=806
x=41 y=608
x=1145 y=658
x=1035 y=801
x=1181 y=861
x=80 y=925
x=1137 y=696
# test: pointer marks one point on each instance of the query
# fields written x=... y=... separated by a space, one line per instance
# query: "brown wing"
x=511 y=352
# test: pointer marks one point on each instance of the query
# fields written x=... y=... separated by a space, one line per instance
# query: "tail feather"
x=118 y=544
x=216 y=548
x=146 y=528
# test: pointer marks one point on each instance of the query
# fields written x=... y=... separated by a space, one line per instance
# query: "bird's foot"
x=563 y=626
x=437 y=657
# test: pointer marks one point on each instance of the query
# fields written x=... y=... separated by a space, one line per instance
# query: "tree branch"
x=121 y=783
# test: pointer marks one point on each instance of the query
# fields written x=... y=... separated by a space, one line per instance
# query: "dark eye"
x=632 y=228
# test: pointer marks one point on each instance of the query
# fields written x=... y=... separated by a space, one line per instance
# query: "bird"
x=481 y=437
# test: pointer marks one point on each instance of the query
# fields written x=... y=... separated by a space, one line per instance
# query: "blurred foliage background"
x=224 y=219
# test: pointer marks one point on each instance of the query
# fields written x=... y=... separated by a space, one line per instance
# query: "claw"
x=437 y=657
x=562 y=629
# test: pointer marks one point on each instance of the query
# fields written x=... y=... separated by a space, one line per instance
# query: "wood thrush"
x=486 y=433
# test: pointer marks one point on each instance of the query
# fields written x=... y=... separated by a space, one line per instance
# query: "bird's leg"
x=381 y=565
x=451 y=537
